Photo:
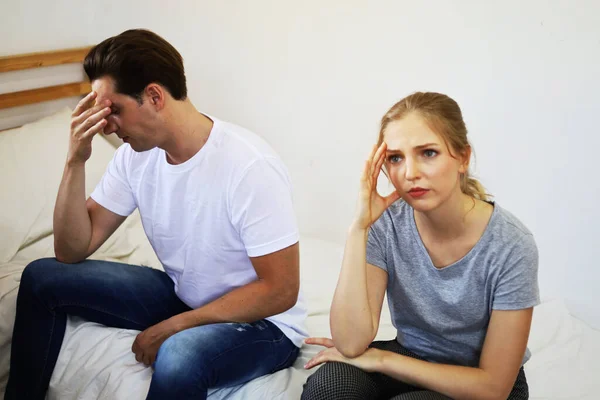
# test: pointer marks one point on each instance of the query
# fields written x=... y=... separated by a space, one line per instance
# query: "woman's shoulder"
x=508 y=230
x=507 y=221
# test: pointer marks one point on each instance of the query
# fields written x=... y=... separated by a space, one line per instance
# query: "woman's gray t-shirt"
x=443 y=314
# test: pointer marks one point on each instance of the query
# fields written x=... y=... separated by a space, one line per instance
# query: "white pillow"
x=32 y=160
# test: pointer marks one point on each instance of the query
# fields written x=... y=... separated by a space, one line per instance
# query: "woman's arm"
x=358 y=297
x=501 y=358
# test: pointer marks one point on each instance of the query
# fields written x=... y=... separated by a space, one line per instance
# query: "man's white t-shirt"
x=205 y=217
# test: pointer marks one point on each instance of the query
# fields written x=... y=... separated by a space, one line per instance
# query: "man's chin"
x=138 y=148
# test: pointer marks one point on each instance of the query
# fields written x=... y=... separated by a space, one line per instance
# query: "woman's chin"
x=420 y=205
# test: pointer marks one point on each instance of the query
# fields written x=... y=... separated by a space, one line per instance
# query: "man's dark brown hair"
x=134 y=59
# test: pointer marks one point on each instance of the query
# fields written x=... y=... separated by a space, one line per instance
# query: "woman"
x=460 y=273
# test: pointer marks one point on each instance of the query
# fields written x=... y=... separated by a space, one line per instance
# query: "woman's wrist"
x=357 y=228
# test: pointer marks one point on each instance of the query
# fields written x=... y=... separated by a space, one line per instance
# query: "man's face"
x=129 y=120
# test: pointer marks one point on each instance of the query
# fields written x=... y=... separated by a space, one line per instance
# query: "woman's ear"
x=465 y=160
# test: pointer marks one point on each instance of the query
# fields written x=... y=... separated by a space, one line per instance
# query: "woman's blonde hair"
x=444 y=117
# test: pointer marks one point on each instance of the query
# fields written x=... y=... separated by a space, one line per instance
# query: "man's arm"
x=81 y=226
x=275 y=291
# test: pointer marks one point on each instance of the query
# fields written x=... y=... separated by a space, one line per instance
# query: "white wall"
x=314 y=77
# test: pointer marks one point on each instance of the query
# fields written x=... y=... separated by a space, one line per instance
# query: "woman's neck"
x=450 y=220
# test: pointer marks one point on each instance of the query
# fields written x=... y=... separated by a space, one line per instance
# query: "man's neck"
x=186 y=132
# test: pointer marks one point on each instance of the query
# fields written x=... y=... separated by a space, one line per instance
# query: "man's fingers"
x=94 y=129
x=93 y=119
x=90 y=113
x=84 y=103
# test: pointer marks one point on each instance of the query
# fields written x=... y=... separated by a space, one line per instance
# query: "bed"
x=96 y=362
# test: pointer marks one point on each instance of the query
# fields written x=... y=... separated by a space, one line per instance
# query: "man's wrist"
x=188 y=319
x=73 y=162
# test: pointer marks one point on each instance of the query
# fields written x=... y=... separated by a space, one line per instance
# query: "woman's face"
x=419 y=163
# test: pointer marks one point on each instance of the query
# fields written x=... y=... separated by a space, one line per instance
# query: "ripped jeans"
x=131 y=297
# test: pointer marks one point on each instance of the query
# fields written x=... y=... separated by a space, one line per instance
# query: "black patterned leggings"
x=337 y=381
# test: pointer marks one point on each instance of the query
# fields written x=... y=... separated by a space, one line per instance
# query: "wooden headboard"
x=37 y=60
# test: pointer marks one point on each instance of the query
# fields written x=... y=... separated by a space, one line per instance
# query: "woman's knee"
x=336 y=380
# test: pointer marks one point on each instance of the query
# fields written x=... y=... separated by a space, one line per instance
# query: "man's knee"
x=37 y=275
x=178 y=367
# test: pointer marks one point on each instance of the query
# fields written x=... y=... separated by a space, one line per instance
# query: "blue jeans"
x=133 y=297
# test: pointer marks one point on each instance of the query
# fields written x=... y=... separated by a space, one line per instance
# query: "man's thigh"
x=221 y=355
x=113 y=294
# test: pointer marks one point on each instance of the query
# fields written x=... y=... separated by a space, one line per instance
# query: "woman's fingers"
x=378 y=161
x=326 y=355
x=367 y=171
x=320 y=341
x=392 y=197
x=316 y=360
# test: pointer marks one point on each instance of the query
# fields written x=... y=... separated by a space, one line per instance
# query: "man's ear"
x=465 y=159
x=156 y=95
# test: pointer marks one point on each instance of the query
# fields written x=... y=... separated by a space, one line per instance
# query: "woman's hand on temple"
x=370 y=203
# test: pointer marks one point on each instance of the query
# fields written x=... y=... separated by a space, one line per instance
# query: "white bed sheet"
x=100 y=362
x=96 y=362
x=563 y=365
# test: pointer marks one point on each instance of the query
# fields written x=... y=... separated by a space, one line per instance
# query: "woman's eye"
x=430 y=153
x=394 y=158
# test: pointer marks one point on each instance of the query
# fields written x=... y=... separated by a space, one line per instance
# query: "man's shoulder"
x=245 y=144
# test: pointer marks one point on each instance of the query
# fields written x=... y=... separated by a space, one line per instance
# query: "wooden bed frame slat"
x=25 y=97
x=42 y=59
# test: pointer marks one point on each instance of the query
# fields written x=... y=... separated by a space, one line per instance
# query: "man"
x=215 y=202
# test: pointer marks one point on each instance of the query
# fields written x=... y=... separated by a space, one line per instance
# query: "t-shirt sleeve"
x=517 y=286
x=261 y=208
x=376 y=247
x=113 y=192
